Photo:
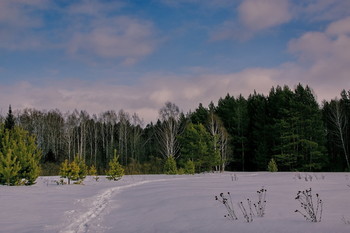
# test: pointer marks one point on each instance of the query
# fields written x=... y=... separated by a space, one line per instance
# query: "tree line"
x=237 y=133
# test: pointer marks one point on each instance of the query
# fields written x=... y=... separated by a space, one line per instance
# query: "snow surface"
x=173 y=204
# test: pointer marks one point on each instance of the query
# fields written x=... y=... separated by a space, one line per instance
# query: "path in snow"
x=82 y=222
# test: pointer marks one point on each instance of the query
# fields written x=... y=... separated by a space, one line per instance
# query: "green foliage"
x=287 y=124
x=181 y=171
x=170 y=166
x=197 y=145
x=50 y=169
x=272 y=166
x=115 y=171
x=75 y=170
x=92 y=171
x=189 y=167
x=82 y=167
x=69 y=170
x=9 y=168
x=19 y=158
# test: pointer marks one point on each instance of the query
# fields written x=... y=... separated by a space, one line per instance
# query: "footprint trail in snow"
x=80 y=224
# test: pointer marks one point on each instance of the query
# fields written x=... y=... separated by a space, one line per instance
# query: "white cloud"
x=118 y=37
x=17 y=20
x=204 y=3
x=254 y=16
x=145 y=98
x=88 y=28
x=340 y=27
x=258 y=15
x=321 y=10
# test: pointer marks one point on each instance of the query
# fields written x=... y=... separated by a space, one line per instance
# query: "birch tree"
x=169 y=130
x=339 y=121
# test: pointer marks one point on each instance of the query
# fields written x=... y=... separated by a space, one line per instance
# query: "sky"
x=136 y=55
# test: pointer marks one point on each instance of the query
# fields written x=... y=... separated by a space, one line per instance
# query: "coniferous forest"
x=235 y=134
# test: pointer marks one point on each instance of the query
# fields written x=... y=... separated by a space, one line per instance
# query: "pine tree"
x=115 y=171
x=69 y=171
x=93 y=172
x=272 y=166
x=19 y=158
x=83 y=169
x=9 y=168
x=170 y=166
x=189 y=167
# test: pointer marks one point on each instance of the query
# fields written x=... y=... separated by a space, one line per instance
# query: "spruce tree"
x=10 y=120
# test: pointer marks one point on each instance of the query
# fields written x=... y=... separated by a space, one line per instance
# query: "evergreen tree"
x=197 y=145
x=92 y=171
x=272 y=166
x=10 y=120
x=189 y=167
x=83 y=169
x=9 y=164
x=200 y=115
x=70 y=171
x=170 y=166
x=298 y=130
x=19 y=151
x=115 y=171
x=258 y=131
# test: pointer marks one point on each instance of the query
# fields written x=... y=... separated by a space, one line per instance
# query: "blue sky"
x=136 y=55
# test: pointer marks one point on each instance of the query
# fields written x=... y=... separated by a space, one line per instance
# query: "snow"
x=164 y=204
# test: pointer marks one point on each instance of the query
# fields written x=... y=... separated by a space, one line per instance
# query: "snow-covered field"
x=164 y=204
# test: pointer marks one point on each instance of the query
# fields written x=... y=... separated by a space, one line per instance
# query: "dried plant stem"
x=310 y=211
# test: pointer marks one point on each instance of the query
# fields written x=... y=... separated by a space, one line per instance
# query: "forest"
x=235 y=134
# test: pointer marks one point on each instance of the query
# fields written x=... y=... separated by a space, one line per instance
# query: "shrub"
x=272 y=166
x=170 y=166
x=181 y=171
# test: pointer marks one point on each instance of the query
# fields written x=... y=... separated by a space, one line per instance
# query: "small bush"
x=170 y=166
x=115 y=171
x=272 y=166
x=93 y=172
x=181 y=171
x=189 y=167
